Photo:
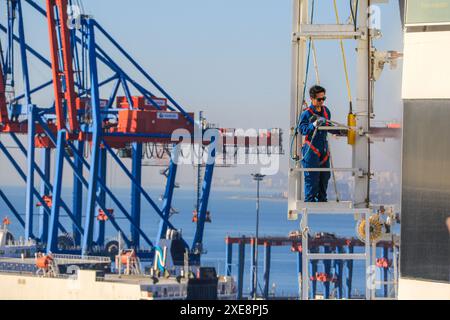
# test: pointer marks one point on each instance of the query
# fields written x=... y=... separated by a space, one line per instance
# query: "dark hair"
x=316 y=90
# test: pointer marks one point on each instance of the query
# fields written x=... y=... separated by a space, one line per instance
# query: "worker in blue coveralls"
x=315 y=149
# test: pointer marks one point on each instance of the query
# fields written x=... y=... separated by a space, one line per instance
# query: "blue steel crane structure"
x=79 y=119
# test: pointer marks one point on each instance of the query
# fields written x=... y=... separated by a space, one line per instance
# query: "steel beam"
x=56 y=71
x=299 y=273
x=29 y=202
x=229 y=258
x=386 y=273
x=100 y=225
x=96 y=139
x=241 y=265
x=206 y=188
x=338 y=265
x=77 y=194
x=66 y=58
x=45 y=190
x=168 y=194
x=314 y=268
x=300 y=16
x=326 y=32
x=136 y=164
x=327 y=268
x=267 y=264
x=361 y=150
x=52 y=246
x=349 y=279
x=253 y=264
x=23 y=55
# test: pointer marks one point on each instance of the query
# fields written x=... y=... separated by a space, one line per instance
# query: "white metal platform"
x=327 y=32
x=330 y=207
x=307 y=256
x=355 y=170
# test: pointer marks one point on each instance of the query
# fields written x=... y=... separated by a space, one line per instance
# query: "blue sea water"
x=233 y=213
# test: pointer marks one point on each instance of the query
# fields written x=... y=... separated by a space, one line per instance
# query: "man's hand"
x=319 y=122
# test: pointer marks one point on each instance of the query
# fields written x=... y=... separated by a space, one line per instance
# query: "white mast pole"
x=361 y=148
x=300 y=16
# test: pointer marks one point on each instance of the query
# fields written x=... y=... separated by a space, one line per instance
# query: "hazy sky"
x=232 y=59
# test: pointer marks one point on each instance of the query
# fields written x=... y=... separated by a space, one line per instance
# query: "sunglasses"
x=321 y=99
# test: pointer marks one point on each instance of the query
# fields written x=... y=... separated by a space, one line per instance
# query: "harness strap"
x=327 y=156
x=314 y=149
x=311 y=146
x=325 y=113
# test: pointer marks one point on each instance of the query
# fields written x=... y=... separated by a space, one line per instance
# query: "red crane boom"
x=68 y=75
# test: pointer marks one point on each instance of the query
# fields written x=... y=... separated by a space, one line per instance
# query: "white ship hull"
x=410 y=289
x=85 y=286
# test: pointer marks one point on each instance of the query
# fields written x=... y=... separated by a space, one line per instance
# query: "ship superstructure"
x=425 y=246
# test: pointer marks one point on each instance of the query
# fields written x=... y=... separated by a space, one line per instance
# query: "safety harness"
x=309 y=143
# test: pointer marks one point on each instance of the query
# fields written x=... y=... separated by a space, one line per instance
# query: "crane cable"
x=354 y=12
x=344 y=60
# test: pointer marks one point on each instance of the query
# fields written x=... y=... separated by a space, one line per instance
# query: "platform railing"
x=307 y=257
x=69 y=257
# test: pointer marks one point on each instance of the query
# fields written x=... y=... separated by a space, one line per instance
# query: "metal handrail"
x=327 y=169
x=81 y=258
x=306 y=256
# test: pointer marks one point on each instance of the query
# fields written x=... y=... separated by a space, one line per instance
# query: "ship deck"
x=30 y=261
x=138 y=279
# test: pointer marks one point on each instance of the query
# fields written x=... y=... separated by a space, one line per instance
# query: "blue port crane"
x=88 y=123
x=79 y=119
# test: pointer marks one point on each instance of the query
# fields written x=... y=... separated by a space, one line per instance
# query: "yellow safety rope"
x=344 y=58
x=351 y=119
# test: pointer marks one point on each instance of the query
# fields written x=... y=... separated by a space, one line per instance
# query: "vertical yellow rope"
x=344 y=59
x=316 y=66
